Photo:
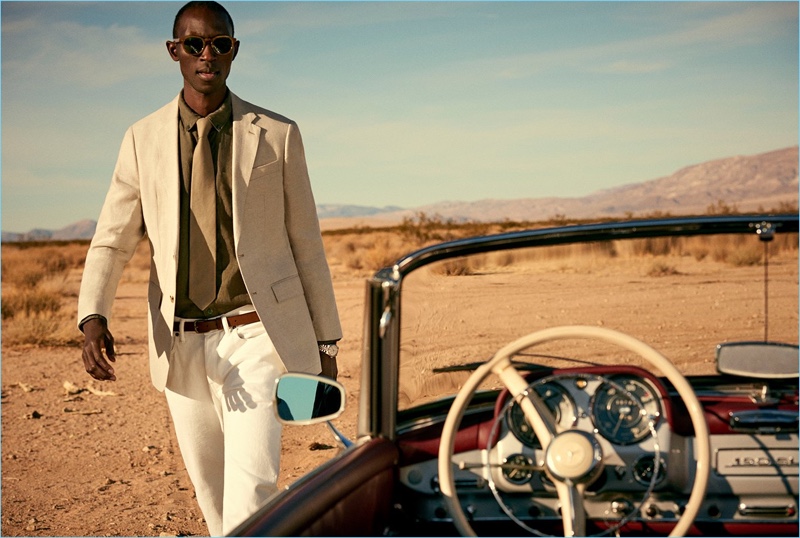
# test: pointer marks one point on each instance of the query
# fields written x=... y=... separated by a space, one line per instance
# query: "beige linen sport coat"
x=276 y=234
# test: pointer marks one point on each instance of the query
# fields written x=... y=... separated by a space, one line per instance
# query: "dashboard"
x=646 y=447
x=625 y=411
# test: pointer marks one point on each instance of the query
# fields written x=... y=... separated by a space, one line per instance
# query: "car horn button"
x=574 y=455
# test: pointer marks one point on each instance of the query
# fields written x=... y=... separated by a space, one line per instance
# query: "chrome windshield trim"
x=589 y=232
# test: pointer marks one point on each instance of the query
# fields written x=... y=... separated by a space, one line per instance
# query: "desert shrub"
x=606 y=249
x=455 y=267
x=36 y=288
x=374 y=259
x=27 y=276
x=785 y=207
x=662 y=268
x=53 y=262
x=504 y=258
x=654 y=246
x=743 y=257
x=697 y=248
x=366 y=253
x=27 y=265
x=722 y=208
x=30 y=303
x=784 y=243
x=41 y=331
x=7 y=309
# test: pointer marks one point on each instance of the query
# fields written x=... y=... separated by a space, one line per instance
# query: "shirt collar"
x=219 y=118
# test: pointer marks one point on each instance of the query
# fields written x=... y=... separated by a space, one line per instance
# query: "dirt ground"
x=81 y=458
x=84 y=458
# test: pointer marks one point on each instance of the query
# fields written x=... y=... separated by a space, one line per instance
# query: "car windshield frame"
x=379 y=414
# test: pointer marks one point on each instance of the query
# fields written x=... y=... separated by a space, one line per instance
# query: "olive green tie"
x=203 y=222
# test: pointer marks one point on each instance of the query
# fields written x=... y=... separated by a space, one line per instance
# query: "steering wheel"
x=573 y=458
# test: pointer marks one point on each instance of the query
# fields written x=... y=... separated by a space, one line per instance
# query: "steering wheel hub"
x=574 y=455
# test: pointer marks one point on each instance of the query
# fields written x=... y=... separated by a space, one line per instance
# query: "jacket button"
x=171 y=299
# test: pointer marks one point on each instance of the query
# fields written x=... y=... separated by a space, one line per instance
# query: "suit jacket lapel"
x=246 y=137
x=165 y=172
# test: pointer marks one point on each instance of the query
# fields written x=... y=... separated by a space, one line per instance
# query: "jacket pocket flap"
x=269 y=169
x=287 y=288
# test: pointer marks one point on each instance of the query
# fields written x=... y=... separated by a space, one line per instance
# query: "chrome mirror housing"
x=765 y=360
x=307 y=399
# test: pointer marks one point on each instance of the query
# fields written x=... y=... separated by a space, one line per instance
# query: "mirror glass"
x=308 y=399
x=758 y=359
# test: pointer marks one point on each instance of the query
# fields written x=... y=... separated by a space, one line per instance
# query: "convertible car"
x=621 y=378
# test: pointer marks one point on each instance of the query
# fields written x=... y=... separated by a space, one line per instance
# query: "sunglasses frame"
x=206 y=42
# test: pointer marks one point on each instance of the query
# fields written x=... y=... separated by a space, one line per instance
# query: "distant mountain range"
x=79 y=230
x=748 y=183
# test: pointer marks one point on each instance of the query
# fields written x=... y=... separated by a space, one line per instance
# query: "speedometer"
x=624 y=409
x=557 y=400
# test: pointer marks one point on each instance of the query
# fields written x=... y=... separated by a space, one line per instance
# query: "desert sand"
x=83 y=458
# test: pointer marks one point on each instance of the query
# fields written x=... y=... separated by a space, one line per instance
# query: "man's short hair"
x=214 y=7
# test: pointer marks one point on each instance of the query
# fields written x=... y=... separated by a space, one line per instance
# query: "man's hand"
x=97 y=339
x=329 y=368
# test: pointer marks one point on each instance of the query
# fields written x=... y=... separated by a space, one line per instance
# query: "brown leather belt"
x=208 y=325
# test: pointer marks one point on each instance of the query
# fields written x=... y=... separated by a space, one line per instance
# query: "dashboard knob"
x=651 y=511
x=470 y=511
x=621 y=507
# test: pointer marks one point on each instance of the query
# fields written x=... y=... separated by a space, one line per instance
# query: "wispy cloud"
x=437 y=100
x=82 y=56
x=631 y=67
x=683 y=38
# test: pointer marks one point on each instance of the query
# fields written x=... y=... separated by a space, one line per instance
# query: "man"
x=239 y=290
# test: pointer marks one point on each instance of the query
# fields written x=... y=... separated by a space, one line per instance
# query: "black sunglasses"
x=194 y=45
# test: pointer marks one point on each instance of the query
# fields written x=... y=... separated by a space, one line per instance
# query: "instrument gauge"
x=557 y=400
x=518 y=469
x=624 y=409
x=645 y=469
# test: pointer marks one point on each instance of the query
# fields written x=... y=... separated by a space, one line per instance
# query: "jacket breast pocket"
x=266 y=171
x=287 y=288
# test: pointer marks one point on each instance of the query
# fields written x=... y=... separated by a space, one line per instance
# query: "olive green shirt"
x=231 y=291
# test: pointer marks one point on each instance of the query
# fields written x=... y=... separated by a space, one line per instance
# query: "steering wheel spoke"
x=573 y=514
x=541 y=419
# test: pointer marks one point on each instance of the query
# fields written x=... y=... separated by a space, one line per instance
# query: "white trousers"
x=220 y=394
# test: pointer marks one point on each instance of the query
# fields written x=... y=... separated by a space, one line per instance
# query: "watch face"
x=330 y=350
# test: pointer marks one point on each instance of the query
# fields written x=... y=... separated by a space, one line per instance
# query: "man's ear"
x=235 y=49
x=172 y=48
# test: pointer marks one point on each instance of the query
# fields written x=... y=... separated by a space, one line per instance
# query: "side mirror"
x=308 y=399
x=764 y=360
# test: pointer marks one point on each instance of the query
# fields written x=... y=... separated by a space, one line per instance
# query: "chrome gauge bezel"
x=625 y=391
x=518 y=469
x=650 y=460
x=564 y=410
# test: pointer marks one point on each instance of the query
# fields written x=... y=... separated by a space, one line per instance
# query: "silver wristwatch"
x=331 y=350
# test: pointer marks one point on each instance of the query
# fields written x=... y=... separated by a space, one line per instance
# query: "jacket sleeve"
x=120 y=227
x=305 y=238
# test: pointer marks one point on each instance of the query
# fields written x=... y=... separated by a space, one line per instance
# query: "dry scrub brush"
x=39 y=281
x=366 y=250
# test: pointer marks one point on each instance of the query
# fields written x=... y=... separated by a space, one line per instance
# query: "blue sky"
x=410 y=103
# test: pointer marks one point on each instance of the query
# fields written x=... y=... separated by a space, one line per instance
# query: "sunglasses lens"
x=194 y=45
x=222 y=44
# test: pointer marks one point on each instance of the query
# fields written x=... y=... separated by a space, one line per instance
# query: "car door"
x=349 y=495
